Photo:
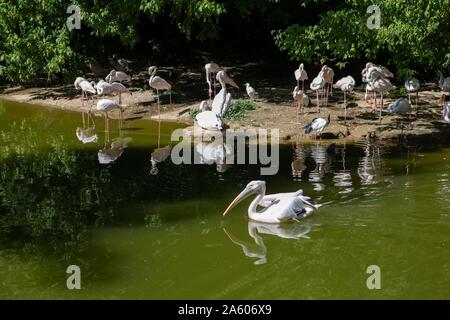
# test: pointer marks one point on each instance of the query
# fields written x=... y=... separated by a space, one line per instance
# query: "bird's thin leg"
x=159 y=109
x=317 y=96
x=345 y=108
x=170 y=98
x=120 y=98
x=409 y=98
x=214 y=81
x=381 y=107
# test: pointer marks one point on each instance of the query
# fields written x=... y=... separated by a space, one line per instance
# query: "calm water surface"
x=141 y=235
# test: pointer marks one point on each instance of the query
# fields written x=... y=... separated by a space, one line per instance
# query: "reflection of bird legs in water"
x=159 y=154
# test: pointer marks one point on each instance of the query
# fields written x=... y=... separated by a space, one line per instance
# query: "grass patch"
x=238 y=109
x=193 y=113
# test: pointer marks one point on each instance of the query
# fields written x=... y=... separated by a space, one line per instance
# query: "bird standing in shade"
x=158 y=83
x=444 y=83
x=211 y=69
x=117 y=76
x=250 y=91
x=318 y=125
x=413 y=86
x=400 y=106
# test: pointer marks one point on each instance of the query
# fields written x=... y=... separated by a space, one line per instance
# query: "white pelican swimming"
x=277 y=208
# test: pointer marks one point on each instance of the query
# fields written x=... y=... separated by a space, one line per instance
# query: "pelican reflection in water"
x=258 y=250
x=214 y=152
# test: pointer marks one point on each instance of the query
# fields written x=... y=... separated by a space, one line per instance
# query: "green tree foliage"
x=413 y=35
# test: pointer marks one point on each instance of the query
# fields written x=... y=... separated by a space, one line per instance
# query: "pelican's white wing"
x=208 y=120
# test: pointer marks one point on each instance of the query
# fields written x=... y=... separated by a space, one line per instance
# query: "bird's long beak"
x=244 y=194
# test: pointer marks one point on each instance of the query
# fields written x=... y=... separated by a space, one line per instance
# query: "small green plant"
x=238 y=109
x=194 y=112
x=400 y=92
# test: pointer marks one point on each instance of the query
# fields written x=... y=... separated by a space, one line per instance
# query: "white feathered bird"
x=278 y=208
x=300 y=74
x=345 y=84
x=300 y=99
x=446 y=113
x=117 y=76
x=251 y=92
x=412 y=85
x=317 y=124
x=158 y=83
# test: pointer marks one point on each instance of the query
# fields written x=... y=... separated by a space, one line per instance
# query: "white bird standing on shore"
x=412 y=86
x=328 y=75
x=158 y=83
x=446 y=113
x=211 y=70
x=278 y=208
x=117 y=76
x=250 y=91
x=381 y=69
x=103 y=87
x=120 y=88
x=213 y=120
x=400 y=106
x=379 y=84
x=345 y=84
x=300 y=99
x=301 y=75
x=86 y=87
x=318 y=125
x=317 y=85
x=105 y=106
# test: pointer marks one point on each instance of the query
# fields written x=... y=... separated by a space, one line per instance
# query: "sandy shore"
x=362 y=120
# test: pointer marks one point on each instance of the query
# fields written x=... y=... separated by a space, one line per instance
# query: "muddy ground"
x=274 y=106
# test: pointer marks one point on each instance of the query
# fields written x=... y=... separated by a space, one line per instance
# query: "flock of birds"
x=280 y=207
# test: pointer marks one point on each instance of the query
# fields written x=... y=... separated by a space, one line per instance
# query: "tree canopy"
x=34 y=38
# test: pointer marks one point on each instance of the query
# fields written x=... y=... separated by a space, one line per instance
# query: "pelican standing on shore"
x=277 y=208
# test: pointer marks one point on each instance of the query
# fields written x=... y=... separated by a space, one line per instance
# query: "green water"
x=137 y=235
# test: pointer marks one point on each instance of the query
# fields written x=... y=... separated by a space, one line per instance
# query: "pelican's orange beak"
x=244 y=194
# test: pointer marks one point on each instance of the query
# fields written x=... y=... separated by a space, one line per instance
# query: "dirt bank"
x=273 y=109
